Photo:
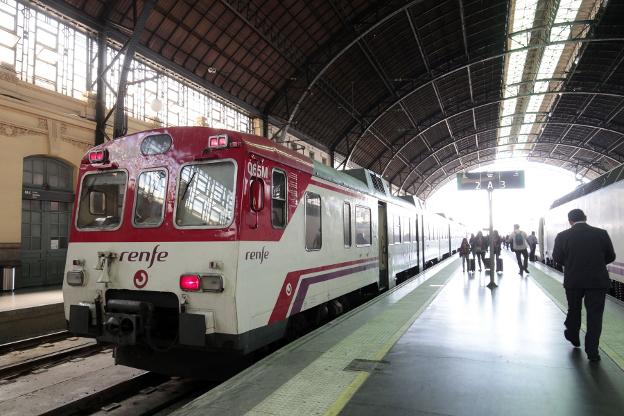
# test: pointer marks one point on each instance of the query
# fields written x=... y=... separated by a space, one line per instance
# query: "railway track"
x=58 y=374
x=25 y=356
x=33 y=342
x=163 y=398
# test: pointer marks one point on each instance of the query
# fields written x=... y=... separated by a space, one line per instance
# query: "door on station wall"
x=46 y=211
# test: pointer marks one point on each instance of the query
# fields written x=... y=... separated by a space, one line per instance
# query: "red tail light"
x=190 y=282
x=98 y=156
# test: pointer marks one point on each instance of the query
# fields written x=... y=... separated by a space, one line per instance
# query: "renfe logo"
x=257 y=170
x=261 y=255
x=135 y=256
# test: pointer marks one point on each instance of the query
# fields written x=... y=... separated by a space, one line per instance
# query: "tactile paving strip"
x=324 y=384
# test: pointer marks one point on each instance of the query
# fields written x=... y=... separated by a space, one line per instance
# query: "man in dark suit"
x=584 y=252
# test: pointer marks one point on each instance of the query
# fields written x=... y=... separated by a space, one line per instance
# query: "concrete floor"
x=442 y=344
x=29 y=298
x=28 y=313
x=477 y=352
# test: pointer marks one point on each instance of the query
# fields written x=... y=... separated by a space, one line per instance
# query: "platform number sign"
x=512 y=179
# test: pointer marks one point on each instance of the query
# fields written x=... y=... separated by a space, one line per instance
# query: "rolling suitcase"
x=499 y=265
x=471 y=265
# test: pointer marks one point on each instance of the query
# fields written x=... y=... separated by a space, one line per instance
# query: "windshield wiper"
x=187 y=187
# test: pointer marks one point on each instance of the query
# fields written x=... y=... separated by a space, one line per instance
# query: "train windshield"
x=101 y=200
x=206 y=195
x=150 y=198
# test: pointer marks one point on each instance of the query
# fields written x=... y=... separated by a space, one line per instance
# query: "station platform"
x=441 y=343
x=28 y=313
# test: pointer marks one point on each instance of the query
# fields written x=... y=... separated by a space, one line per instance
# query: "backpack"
x=518 y=239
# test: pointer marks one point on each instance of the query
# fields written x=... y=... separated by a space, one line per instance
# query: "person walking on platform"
x=519 y=246
x=495 y=256
x=532 y=240
x=584 y=252
x=464 y=253
x=478 y=248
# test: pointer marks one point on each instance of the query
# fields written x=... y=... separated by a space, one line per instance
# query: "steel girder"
x=432 y=82
x=431 y=187
x=397 y=150
x=435 y=184
x=120 y=127
x=327 y=56
x=583 y=146
x=64 y=8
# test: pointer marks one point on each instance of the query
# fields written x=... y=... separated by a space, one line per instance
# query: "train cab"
x=197 y=239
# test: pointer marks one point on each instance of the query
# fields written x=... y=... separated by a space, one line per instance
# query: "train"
x=191 y=245
x=597 y=199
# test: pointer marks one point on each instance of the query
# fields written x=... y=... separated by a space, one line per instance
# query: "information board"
x=510 y=179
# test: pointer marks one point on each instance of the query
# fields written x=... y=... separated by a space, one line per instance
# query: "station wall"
x=37 y=122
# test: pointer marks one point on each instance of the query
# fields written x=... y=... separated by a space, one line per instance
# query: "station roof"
x=413 y=90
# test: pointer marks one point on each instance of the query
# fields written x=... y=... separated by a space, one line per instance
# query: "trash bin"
x=8 y=278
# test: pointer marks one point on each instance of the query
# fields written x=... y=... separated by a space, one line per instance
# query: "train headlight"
x=212 y=283
x=75 y=278
x=195 y=282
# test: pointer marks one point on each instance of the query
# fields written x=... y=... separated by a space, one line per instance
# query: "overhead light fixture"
x=156 y=105
x=212 y=70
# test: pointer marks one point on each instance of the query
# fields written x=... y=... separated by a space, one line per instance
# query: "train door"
x=382 y=232
x=416 y=238
x=421 y=241
x=540 y=239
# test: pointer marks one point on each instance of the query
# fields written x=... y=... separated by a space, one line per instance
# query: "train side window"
x=149 y=205
x=362 y=226
x=313 y=224
x=397 y=230
x=278 y=200
x=346 y=223
x=406 y=230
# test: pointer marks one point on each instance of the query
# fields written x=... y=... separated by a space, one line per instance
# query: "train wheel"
x=298 y=325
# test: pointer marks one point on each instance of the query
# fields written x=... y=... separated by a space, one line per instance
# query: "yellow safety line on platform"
x=611 y=353
x=355 y=385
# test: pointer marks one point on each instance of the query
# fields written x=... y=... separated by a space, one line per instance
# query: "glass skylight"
x=543 y=68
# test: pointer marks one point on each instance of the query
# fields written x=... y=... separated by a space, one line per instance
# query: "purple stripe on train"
x=616 y=269
x=306 y=283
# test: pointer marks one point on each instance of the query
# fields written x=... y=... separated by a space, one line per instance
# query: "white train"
x=190 y=245
x=599 y=200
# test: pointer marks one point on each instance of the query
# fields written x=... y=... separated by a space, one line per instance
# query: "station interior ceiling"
x=416 y=91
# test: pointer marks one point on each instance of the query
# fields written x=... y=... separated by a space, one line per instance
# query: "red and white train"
x=189 y=244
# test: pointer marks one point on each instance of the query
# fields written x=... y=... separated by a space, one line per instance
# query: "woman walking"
x=464 y=253
x=478 y=248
